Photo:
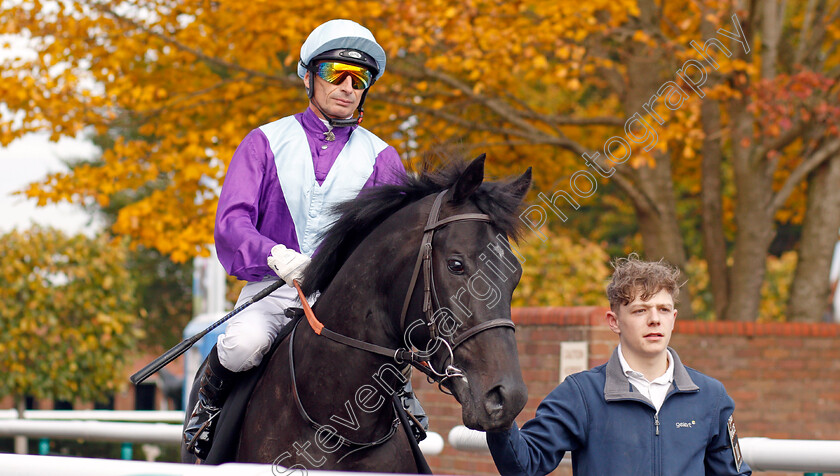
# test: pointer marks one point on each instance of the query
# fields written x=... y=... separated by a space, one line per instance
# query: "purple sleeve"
x=241 y=248
x=388 y=168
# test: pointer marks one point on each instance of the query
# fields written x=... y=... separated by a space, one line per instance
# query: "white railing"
x=762 y=454
x=158 y=433
x=813 y=456
x=31 y=465
x=463 y=439
x=171 y=416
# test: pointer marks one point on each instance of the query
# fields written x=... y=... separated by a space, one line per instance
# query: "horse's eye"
x=455 y=266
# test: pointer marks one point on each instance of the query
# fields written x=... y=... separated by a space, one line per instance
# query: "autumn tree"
x=711 y=144
x=562 y=271
x=163 y=288
x=817 y=24
x=783 y=128
x=67 y=315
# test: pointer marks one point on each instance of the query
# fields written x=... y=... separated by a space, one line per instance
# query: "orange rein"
x=310 y=316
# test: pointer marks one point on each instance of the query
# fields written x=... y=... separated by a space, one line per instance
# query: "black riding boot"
x=214 y=385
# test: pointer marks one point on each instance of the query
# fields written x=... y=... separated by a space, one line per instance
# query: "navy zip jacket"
x=612 y=429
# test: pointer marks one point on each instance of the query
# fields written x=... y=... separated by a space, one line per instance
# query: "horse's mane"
x=359 y=216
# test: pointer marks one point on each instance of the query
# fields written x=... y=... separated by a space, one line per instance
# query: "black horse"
x=425 y=265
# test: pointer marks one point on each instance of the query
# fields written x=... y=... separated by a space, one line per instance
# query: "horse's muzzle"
x=502 y=403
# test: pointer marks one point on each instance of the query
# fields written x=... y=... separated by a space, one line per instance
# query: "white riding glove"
x=288 y=264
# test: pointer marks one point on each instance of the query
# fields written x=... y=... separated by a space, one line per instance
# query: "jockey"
x=276 y=198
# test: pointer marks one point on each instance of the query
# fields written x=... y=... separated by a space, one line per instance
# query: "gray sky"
x=30 y=159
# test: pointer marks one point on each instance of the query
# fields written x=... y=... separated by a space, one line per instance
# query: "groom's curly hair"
x=634 y=278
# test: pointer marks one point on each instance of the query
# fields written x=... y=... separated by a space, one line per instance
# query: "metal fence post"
x=127 y=451
x=44 y=446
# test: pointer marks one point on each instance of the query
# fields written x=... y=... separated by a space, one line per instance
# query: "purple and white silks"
x=281 y=182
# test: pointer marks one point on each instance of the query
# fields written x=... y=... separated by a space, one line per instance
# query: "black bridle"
x=424 y=260
x=405 y=355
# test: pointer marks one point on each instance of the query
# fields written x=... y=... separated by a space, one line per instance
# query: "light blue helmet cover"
x=340 y=33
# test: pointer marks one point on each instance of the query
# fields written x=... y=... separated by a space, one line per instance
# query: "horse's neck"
x=365 y=297
x=346 y=388
x=359 y=383
x=364 y=301
x=355 y=309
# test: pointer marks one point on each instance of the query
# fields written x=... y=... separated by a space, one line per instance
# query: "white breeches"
x=250 y=333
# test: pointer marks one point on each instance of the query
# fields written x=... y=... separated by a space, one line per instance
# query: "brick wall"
x=124 y=397
x=784 y=378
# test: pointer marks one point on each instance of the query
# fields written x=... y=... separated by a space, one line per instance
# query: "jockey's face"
x=339 y=101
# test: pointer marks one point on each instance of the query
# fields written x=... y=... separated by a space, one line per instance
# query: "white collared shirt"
x=655 y=390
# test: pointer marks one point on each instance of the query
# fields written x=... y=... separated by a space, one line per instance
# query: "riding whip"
x=185 y=344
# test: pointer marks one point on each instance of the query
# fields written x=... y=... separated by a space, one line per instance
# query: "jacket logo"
x=686 y=424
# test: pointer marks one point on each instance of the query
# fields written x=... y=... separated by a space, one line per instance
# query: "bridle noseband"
x=424 y=259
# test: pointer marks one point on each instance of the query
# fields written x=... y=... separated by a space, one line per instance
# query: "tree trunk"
x=711 y=192
x=752 y=242
x=810 y=290
x=714 y=242
x=660 y=229
x=754 y=193
x=755 y=233
x=771 y=29
x=658 y=225
x=753 y=219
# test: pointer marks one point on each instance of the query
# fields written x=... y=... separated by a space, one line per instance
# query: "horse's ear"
x=521 y=185
x=469 y=181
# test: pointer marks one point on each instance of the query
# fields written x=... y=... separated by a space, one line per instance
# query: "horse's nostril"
x=494 y=401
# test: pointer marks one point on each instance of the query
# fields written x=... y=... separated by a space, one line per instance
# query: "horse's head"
x=473 y=274
x=427 y=262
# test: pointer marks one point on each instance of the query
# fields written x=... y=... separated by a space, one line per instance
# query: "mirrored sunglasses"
x=335 y=73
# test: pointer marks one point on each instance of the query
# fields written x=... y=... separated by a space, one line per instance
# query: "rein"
x=317 y=426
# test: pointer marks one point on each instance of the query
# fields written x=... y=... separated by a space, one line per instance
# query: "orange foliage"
x=530 y=82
